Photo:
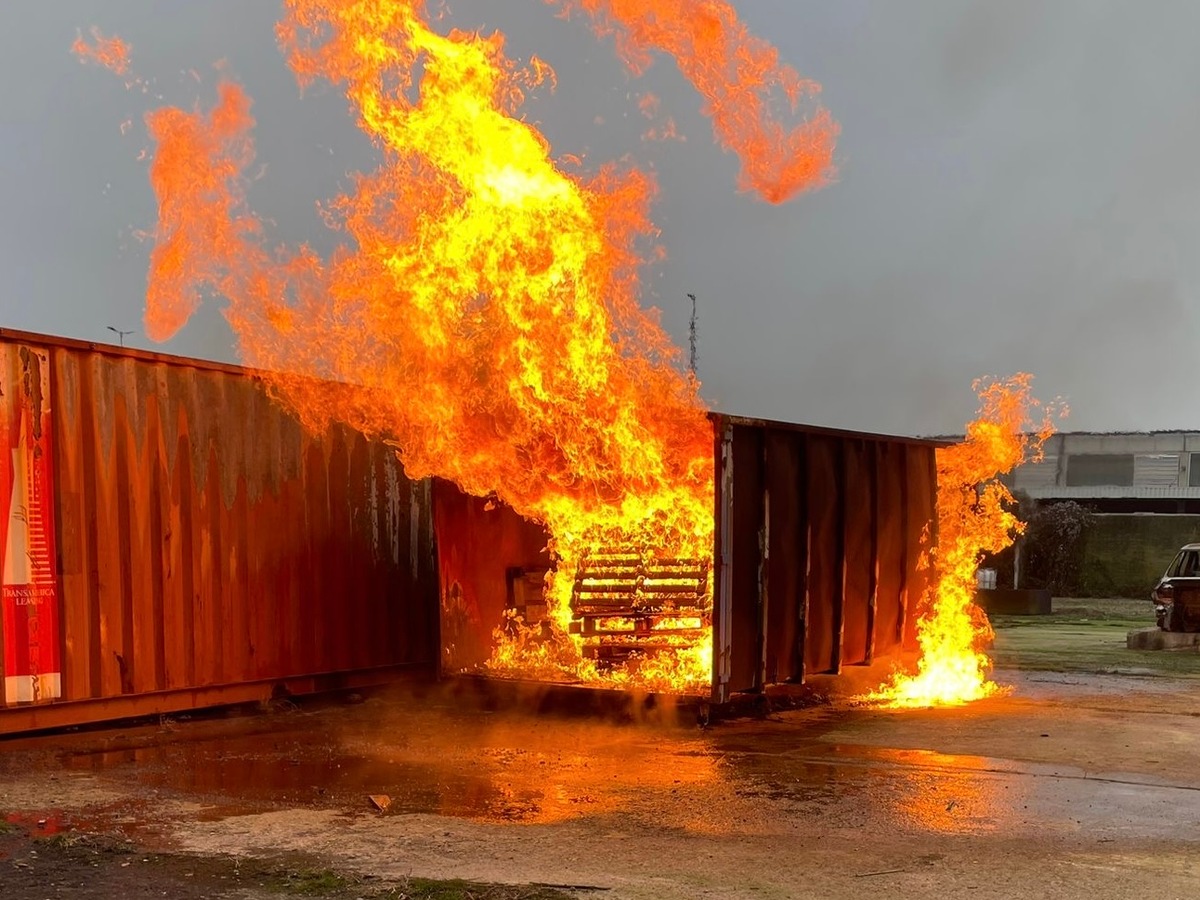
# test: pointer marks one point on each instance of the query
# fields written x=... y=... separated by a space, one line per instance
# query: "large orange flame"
x=483 y=316
x=738 y=75
x=974 y=517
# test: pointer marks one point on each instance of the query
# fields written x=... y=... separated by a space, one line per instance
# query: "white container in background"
x=985 y=579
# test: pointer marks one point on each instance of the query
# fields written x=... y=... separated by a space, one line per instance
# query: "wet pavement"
x=1056 y=765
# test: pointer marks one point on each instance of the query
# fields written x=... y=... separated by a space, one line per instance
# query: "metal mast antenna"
x=692 y=338
x=119 y=333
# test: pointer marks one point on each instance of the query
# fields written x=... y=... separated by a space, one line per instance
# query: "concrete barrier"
x=1155 y=638
x=1009 y=602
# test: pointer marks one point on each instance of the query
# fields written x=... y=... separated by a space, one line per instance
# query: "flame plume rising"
x=482 y=314
x=973 y=518
x=738 y=75
x=110 y=52
x=205 y=237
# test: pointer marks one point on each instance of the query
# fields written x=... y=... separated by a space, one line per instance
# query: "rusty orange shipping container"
x=173 y=539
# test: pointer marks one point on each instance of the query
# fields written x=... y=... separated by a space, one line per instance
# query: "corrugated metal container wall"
x=480 y=543
x=206 y=541
x=819 y=537
x=817 y=548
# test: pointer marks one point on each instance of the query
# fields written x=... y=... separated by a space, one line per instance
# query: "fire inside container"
x=627 y=602
x=815 y=569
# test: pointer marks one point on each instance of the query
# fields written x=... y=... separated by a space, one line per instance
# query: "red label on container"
x=29 y=582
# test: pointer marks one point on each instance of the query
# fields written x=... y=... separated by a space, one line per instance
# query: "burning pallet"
x=627 y=602
x=623 y=603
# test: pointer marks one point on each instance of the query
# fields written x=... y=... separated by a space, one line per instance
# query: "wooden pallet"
x=627 y=602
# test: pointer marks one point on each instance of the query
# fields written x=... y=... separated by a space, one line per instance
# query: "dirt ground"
x=1074 y=785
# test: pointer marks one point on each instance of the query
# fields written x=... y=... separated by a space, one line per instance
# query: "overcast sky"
x=1019 y=189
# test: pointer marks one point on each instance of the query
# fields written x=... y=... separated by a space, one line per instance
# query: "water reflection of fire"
x=484 y=313
x=948 y=794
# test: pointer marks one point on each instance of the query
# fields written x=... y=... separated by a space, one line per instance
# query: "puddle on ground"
x=751 y=777
x=467 y=765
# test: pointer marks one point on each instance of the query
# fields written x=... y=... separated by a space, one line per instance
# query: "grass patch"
x=77 y=842
x=329 y=884
x=7 y=827
x=1086 y=636
x=426 y=889
x=110 y=867
x=324 y=883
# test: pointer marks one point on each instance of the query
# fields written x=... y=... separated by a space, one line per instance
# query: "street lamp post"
x=120 y=334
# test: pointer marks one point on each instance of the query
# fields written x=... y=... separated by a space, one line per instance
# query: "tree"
x=1053 y=547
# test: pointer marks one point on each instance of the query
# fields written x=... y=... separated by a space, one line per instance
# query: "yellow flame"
x=974 y=517
x=482 y=314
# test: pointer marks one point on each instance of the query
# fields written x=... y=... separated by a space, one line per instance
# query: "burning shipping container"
x=484 y=315
x=200 y=548
x=484 y=319
x=814 y=567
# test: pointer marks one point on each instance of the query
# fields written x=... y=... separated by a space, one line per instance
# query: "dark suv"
x=1177 y=595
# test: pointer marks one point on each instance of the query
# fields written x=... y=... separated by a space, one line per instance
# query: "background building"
x=1144 y=491
x=1147 y=472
